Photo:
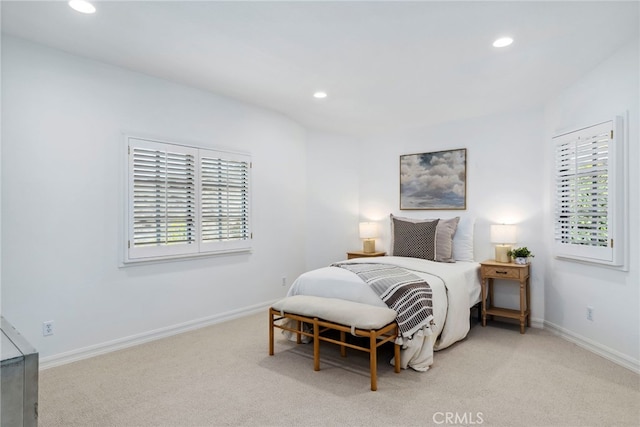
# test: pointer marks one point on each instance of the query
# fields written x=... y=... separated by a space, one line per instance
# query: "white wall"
x=62 y=159
x=610 y=89
x=332 y=185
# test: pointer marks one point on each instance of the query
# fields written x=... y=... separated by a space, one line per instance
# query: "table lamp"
x=368 y=232
x=504 y=235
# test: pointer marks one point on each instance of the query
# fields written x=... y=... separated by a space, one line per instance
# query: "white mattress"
x=332 y=282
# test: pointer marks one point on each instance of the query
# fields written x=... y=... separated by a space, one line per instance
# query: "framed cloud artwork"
x=436 y=180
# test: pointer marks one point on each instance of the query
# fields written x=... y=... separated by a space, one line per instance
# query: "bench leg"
x=396 y=352
x=270 y=333
x=343 y=349
x=298 y=334
x=397 y=358
x=373 y=360
x=316 y=345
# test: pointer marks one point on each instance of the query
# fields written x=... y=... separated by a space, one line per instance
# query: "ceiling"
x=385 y=65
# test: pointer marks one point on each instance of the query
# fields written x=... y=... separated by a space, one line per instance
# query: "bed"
x=455 y=283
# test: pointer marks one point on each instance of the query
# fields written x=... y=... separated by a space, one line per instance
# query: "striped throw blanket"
x=402 y=291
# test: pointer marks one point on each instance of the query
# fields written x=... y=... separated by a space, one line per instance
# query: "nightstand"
x=490 y=270
x=360 y=254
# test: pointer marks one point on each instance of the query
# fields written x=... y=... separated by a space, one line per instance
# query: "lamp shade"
x=503 y=233
x=368 y=230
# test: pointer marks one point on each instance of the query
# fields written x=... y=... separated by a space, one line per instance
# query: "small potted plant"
x=520 y=255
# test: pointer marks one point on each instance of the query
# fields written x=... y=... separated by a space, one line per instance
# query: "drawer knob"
x=501 y=272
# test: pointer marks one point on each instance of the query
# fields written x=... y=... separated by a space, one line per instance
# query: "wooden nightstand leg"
x=490 y=297
x=523 y=286
x=528 y=302
x=484 y=301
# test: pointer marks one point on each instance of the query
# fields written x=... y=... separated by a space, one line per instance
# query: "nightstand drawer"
x=506 y=272
x=359 y=254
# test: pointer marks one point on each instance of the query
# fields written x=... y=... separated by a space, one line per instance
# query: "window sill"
x=188 y=257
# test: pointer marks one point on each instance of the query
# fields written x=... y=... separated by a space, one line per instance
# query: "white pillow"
x=463 y=240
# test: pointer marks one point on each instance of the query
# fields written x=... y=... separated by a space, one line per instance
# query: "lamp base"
x=369 y=246
x=501 y=253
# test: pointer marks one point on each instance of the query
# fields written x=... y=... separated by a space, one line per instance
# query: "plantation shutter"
x=185 y=201
x=224 y=181
x=163 y=199
x=585 y=194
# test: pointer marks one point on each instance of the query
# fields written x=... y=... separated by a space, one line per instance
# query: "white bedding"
x=455 y=288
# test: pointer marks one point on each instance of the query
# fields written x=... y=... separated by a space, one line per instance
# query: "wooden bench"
x=361 y=320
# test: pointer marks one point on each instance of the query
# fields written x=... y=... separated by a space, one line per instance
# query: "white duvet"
x=455 y=288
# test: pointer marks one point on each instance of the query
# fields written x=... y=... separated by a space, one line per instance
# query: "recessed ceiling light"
x=503 y=42
x=320 y=95
x=82 y=6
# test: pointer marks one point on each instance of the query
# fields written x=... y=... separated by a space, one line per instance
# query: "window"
x=185 y=201
x=589 y=188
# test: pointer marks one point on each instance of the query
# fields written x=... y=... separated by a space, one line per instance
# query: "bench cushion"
x=343 y=312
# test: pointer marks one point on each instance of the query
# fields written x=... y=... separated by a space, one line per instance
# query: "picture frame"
x=434 y=181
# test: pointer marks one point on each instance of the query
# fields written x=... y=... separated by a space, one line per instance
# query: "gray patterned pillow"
x=415 y=239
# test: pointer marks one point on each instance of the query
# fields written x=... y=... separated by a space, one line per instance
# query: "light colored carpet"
x=222 y=375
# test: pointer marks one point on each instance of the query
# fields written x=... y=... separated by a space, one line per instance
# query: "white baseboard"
x=537 y=323
x=594 y=347
x=122 y=343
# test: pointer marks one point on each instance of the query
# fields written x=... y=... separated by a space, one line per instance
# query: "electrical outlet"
x=590 y=313
x=47 y=328
x=284 y=280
